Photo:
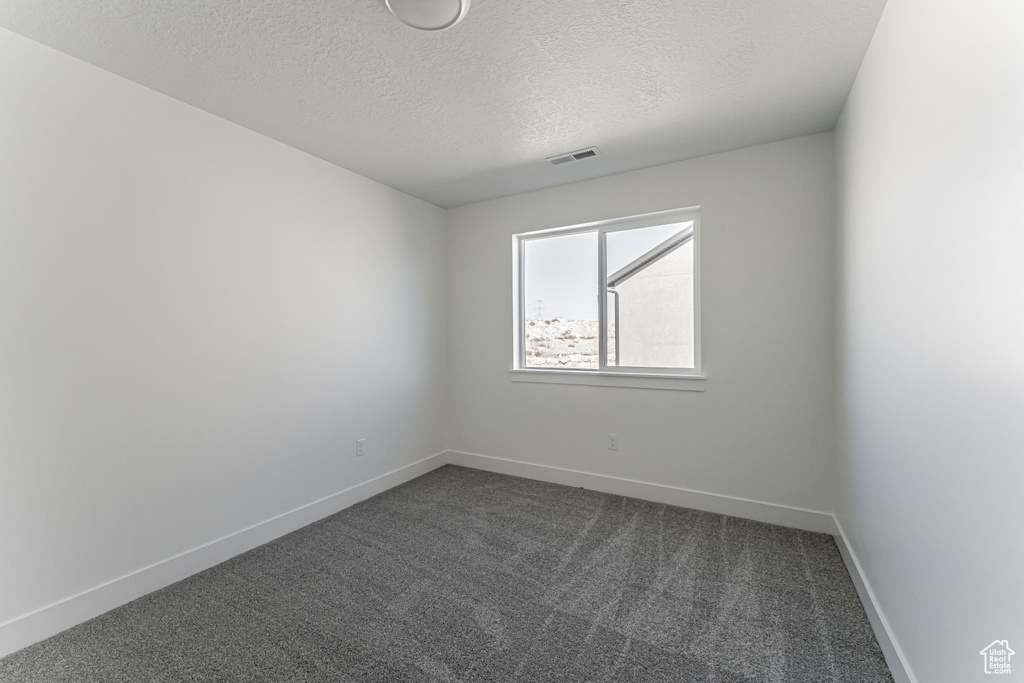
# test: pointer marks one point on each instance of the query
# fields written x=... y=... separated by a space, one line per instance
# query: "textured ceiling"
x=471 y=113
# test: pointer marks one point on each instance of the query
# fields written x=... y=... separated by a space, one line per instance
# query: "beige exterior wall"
x=656 y=313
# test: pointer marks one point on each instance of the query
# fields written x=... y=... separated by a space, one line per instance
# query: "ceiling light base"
x=428 y=15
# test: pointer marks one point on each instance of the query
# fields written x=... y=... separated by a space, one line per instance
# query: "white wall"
x=196 y=323
x=930 y=159
x=763 y=429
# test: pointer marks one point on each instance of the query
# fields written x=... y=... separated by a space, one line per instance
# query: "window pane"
x=650 y=296
x=560 y=300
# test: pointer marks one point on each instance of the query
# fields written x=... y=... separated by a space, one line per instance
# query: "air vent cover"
x=573 y=156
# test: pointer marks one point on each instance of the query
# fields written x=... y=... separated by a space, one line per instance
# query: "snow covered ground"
x=558 y=343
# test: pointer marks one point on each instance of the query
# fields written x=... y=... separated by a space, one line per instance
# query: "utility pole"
x=538 y=308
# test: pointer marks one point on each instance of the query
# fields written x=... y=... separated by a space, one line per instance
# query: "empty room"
x=512 y=340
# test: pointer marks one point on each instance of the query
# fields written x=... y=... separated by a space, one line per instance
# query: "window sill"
x=608 y=379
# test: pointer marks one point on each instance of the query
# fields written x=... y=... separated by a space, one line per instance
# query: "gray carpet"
x=464 y=575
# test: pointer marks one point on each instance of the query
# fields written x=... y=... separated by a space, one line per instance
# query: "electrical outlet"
x=360 y=447
x=613 y=442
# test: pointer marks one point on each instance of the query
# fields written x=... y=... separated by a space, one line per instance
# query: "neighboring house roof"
x=998 y=644
x=644 y=260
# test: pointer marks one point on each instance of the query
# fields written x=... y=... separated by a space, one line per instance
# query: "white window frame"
x=689 y=379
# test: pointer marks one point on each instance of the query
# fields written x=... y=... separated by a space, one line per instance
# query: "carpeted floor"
x=464 y=575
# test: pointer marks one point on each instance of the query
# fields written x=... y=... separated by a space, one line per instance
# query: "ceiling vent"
x=573 y=156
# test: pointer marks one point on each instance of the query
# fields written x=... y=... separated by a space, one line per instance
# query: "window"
x=616 y=298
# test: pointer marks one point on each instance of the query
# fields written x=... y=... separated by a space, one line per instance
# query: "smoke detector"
x=569 y=157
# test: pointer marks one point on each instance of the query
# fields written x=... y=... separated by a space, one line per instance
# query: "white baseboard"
x=54 y=618
x=894 y=655
x=783 y=515
x=46 y=621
